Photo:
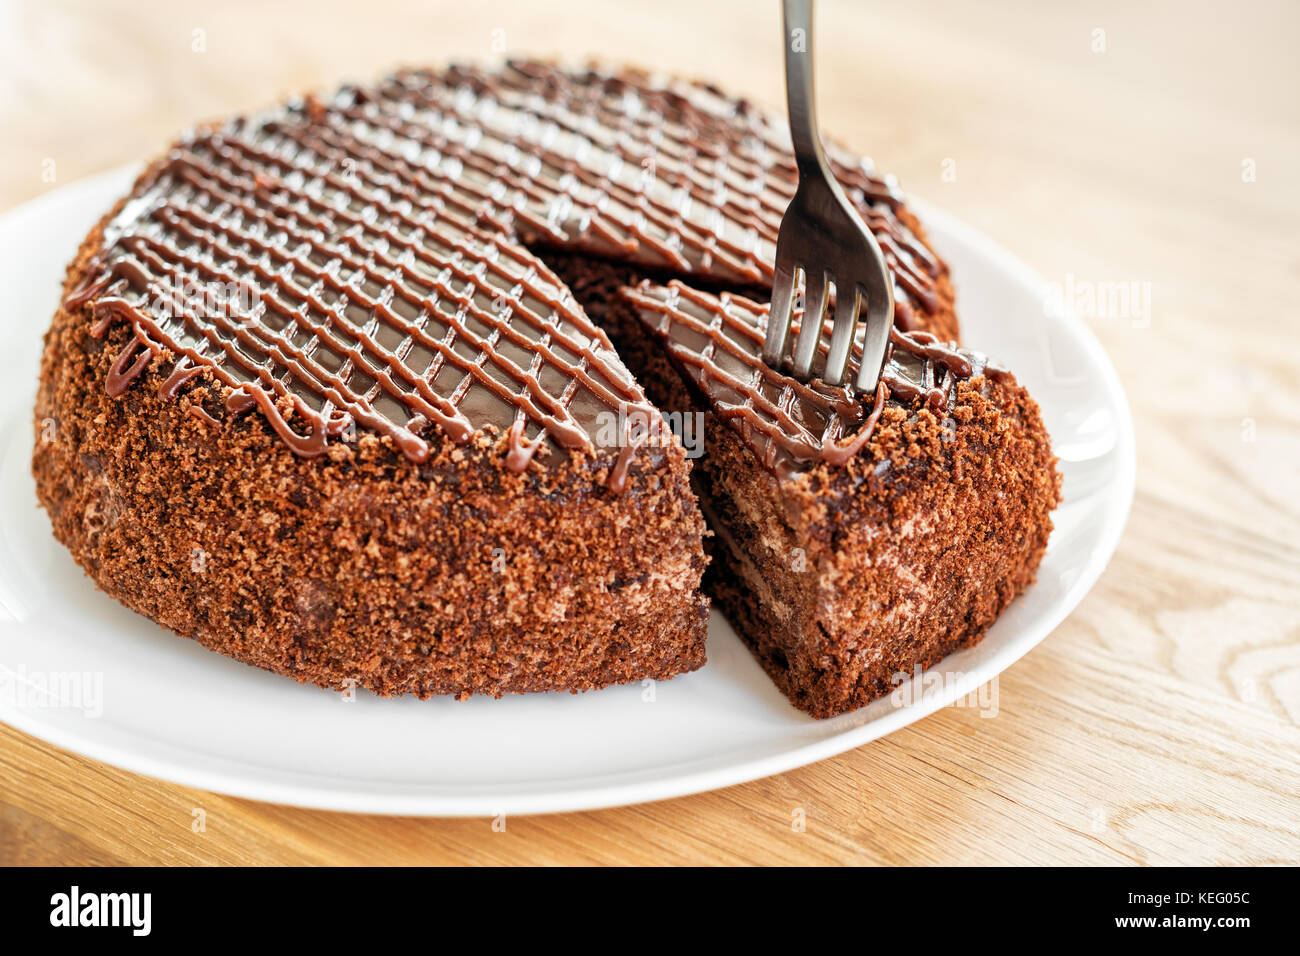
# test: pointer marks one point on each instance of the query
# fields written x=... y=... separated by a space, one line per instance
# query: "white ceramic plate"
x=82 y=672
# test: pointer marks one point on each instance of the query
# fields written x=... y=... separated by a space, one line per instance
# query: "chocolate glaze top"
x=362 y=260
x=790 y=425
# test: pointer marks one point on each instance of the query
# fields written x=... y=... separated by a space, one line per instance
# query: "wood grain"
x=1159 y=724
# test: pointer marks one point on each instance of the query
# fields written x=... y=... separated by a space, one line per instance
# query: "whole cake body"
x=348 y=390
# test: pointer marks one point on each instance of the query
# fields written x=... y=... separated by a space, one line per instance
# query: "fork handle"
x=799 y=88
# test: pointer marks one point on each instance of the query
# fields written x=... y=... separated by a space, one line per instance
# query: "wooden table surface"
x=1109 y=142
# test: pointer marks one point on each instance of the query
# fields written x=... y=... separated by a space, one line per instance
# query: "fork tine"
x=880 y=320
x=778 y=319
x=846 y=324
x=810 y=331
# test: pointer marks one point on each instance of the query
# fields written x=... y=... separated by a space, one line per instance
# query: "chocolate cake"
x=352 y=390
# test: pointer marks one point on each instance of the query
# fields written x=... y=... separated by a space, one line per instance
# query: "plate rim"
x=576 y=794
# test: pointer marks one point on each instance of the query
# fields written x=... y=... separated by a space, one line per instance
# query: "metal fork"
x=822 y=234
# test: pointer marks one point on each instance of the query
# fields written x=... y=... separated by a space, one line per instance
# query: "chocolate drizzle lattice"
x=671 y=174
x=368 y=256
x=790 y=425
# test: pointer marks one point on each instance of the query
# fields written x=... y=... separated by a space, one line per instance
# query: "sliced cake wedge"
x=857 y=538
